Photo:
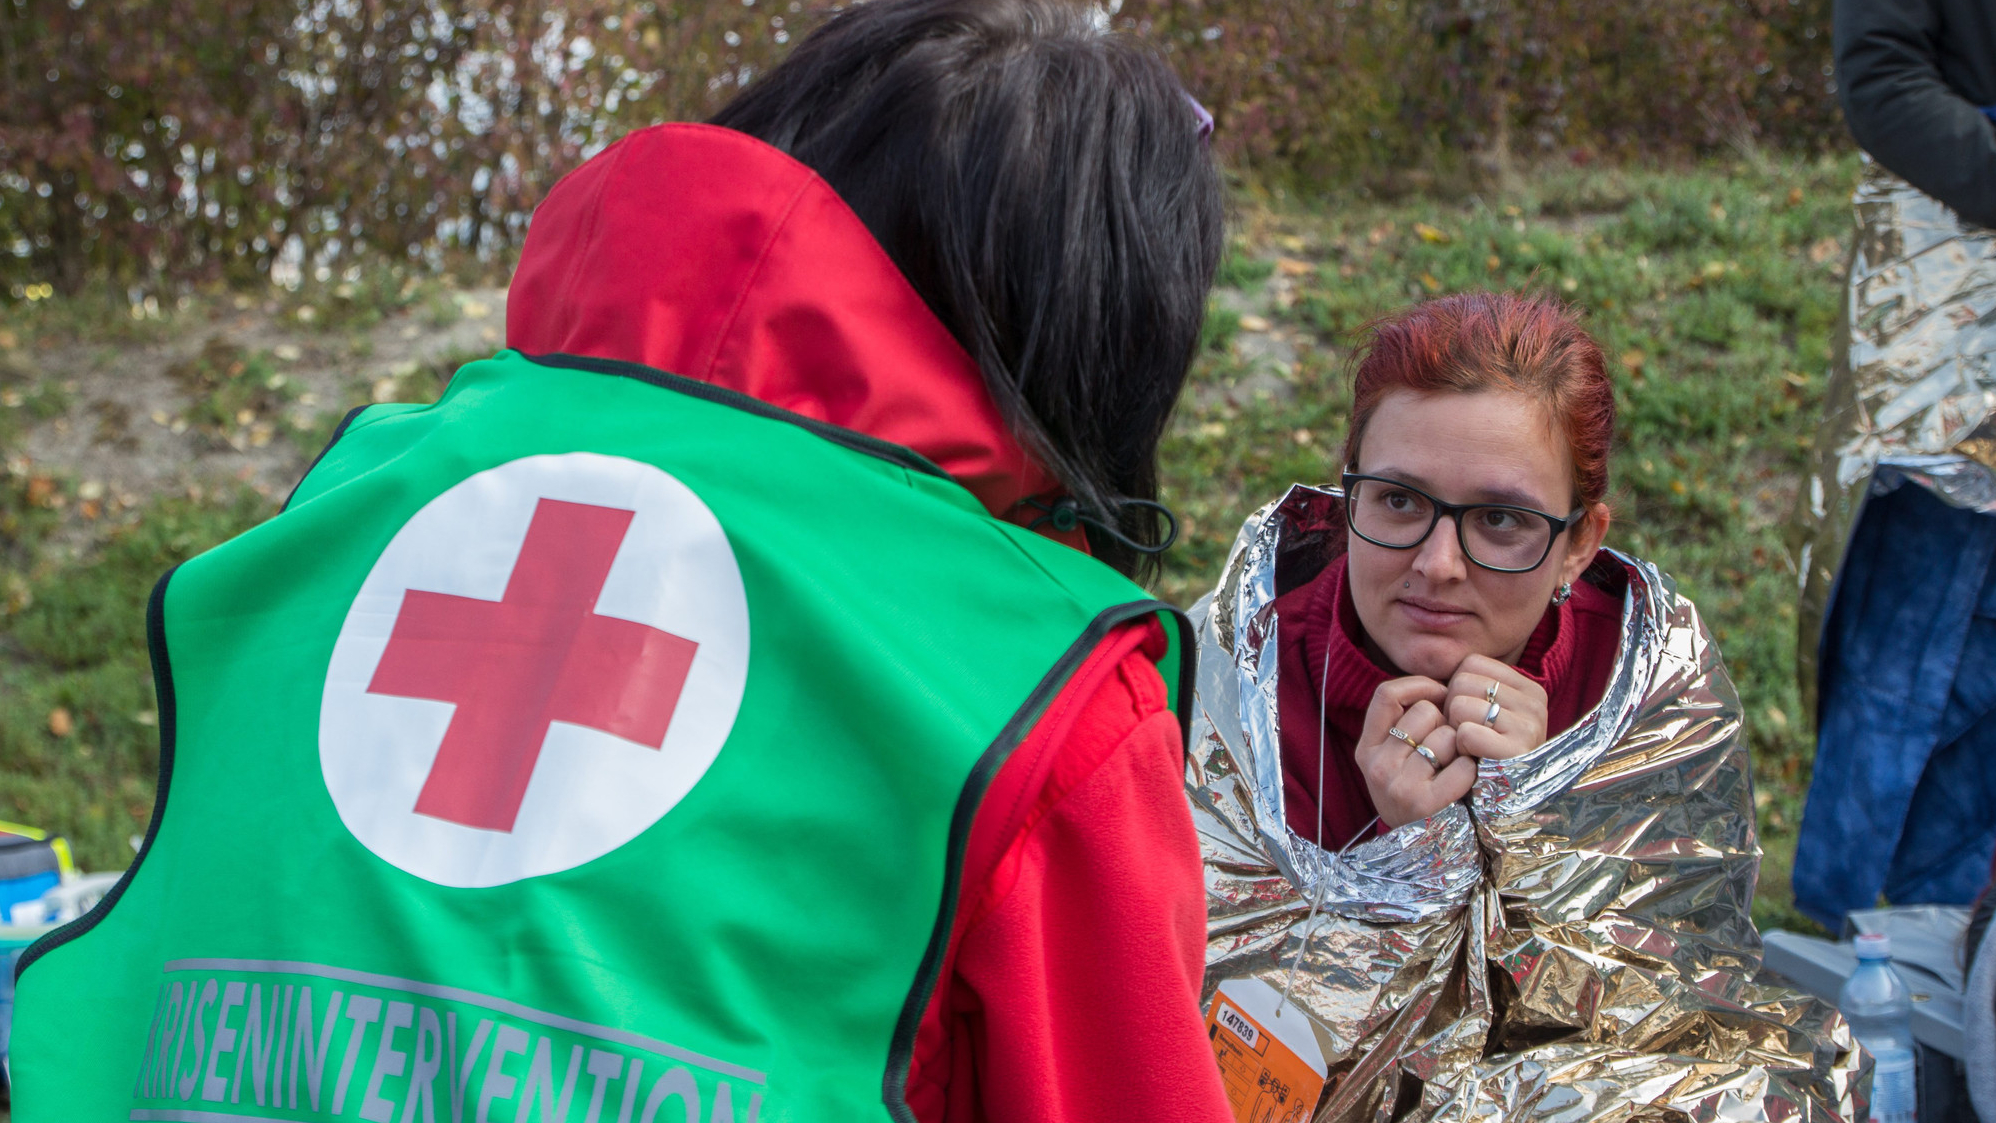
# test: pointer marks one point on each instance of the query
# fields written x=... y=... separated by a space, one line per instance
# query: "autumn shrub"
x=142 y=139
x=1366 y=89
x=148 y=141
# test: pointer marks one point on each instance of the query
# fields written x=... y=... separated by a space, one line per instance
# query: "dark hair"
x=1044 y=185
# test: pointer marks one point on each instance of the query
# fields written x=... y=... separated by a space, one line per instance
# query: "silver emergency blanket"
x=1912 y=381
x=1572 y=944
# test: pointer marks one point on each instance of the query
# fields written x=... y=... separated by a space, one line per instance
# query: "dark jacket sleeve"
x=1903 y=112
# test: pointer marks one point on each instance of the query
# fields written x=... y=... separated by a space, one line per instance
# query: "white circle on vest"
x=542 y=663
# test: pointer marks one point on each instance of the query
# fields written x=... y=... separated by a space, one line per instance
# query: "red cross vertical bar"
x=538 y=655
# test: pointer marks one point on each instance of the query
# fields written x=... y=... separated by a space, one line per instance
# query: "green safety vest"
x=593 y=744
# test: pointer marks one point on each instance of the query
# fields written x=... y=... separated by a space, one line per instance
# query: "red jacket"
x=1070 y=988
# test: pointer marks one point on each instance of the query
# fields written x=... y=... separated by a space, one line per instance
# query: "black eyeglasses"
x=1495 y=536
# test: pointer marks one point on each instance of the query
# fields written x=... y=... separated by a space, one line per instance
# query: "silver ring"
x=1396 y=731
x=1428 y=755
x=1490 y=715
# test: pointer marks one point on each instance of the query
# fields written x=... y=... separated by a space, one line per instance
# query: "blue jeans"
x=1903 y=798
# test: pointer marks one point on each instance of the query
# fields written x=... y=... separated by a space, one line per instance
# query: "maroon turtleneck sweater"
x=1571 y=654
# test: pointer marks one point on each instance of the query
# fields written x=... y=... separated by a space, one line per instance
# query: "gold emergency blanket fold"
x=1912 y=382
x=1572 y=944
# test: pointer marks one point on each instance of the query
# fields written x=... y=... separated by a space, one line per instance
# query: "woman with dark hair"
x=1476 y=803
x=710 y=708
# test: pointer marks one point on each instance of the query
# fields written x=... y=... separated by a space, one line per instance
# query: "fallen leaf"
x=1252 y=322
x=1431 y=234
x=384 y=390
x=89 y=509
x=1493 y=263
x=1795 y=379
x=1570 y=284
x=477 y=309
x=160 y=418
x=8 y=340
x=1825 y=250
x=41 y=492
x=245 y=416
x=1290 y=267
x=91 y=489
x=1634 y=360
x=1430 y=282
x=1794 y=196
x=1305 y=436
x=287 y=352
x=1718 y=213
x=60 y=723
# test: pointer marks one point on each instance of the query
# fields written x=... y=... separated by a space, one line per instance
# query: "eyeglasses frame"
x=1455 y=512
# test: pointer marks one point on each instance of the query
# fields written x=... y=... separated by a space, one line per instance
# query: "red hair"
x=1495 y=341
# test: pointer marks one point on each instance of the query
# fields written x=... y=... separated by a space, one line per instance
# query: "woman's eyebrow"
x=1510 y=497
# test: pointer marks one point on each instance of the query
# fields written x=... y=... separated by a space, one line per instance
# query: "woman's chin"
x=1434 y=657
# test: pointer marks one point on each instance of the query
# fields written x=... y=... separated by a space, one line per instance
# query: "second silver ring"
x=1490 y=715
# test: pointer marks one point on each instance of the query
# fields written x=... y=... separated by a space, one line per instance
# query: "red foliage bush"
x=148 y=139
x=200 y=138
x=1349 y=88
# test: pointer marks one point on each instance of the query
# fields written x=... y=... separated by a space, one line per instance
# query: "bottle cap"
x=1873 y=945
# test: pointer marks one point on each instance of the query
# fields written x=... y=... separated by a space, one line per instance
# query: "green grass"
x=1713 y=292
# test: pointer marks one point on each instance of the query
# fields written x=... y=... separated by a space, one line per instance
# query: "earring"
x=1565 y=592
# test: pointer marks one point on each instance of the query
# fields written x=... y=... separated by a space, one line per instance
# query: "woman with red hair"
x=1422 y=627
x=1473 y=791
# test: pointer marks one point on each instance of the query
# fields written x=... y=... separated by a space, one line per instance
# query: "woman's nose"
x=1440 y=558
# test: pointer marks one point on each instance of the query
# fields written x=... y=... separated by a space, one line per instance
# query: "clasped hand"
x=1448 y=721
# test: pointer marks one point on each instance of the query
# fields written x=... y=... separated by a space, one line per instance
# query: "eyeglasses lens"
x=1494 y=536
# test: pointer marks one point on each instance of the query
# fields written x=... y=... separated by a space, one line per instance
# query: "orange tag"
x=1269 y=1057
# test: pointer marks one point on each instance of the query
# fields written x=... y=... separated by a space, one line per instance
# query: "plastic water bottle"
x=1880 y=1011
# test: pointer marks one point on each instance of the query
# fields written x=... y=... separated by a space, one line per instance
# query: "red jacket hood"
x=707 y=253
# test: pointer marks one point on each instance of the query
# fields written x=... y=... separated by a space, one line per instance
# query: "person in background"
x=879 y=358
x=1893 y=535
x=1488 y=834
x=1917 y=80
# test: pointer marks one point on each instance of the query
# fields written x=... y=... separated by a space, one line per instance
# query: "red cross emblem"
x=539 y=655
